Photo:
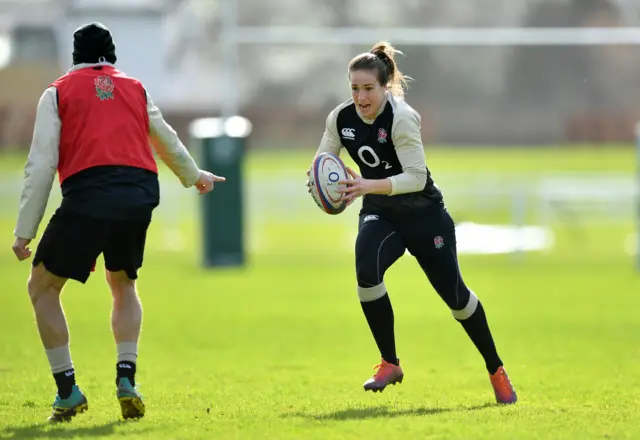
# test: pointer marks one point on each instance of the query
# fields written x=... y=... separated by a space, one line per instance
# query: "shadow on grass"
x=383 y=411
x=64 y=430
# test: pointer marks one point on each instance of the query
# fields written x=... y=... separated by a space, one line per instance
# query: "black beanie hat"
x=91 y=42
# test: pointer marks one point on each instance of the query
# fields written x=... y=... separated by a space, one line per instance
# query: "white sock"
x=127 y=351
x=59 y=359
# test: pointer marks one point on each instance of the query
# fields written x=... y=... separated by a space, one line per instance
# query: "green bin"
x=220 y=146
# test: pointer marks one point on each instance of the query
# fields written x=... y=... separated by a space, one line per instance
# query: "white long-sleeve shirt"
x=42 y=161
x=406 y=137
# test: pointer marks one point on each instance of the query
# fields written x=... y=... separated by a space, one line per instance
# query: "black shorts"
x=71 y=244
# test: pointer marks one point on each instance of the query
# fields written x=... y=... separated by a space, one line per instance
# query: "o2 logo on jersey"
x=372 y=160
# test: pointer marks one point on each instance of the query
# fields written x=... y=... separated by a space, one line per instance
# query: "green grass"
x=279 y=349
x=465 y=159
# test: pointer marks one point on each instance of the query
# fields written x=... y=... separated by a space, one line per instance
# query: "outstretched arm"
x=170 y=149
x=174 y=154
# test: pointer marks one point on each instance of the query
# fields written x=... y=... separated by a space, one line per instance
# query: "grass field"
x=279 y=349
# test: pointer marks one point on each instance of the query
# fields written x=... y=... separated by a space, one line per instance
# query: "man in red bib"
x=95 y=127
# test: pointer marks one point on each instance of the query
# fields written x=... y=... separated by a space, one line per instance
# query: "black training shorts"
x=71 y=244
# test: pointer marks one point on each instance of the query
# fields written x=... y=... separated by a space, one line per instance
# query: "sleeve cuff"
x=394 y=185
x=22 y=232
x=191 y=180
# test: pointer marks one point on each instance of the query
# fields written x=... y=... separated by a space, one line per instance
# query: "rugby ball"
x=326 y=170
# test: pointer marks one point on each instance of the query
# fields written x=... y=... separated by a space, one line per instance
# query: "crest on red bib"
x=104 y=87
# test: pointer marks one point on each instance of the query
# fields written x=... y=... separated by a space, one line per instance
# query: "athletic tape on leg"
x=468 y=310
x=367 y=294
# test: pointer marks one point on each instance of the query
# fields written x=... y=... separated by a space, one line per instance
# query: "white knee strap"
x=367 y=294
x=468 y=310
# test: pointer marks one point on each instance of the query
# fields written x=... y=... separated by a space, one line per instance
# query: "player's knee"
x=467 y=306
x=370 y=285
x=367 y=274
x=42 y=282
x=119 y=282
x=371 y=293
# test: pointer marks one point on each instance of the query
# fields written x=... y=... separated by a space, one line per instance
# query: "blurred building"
x=467 y=94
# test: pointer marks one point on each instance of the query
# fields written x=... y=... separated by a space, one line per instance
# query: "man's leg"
x=378 y=246
x=67 y=250
x=44 y=290
x=436 y=252
x=123 y=256
x=126 y=321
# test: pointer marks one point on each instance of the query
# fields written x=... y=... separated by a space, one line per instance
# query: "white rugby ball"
x=326 y=170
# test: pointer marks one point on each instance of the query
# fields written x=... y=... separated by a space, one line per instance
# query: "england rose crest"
x=104 y=87
x=438 y=242
x=382 y=136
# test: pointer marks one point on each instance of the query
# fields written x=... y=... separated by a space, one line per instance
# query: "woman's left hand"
x=354 y=187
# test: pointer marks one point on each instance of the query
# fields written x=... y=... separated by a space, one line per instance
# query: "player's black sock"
x=65 y=380
x=126 y=369
x=477 y=328
x=379 y=314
